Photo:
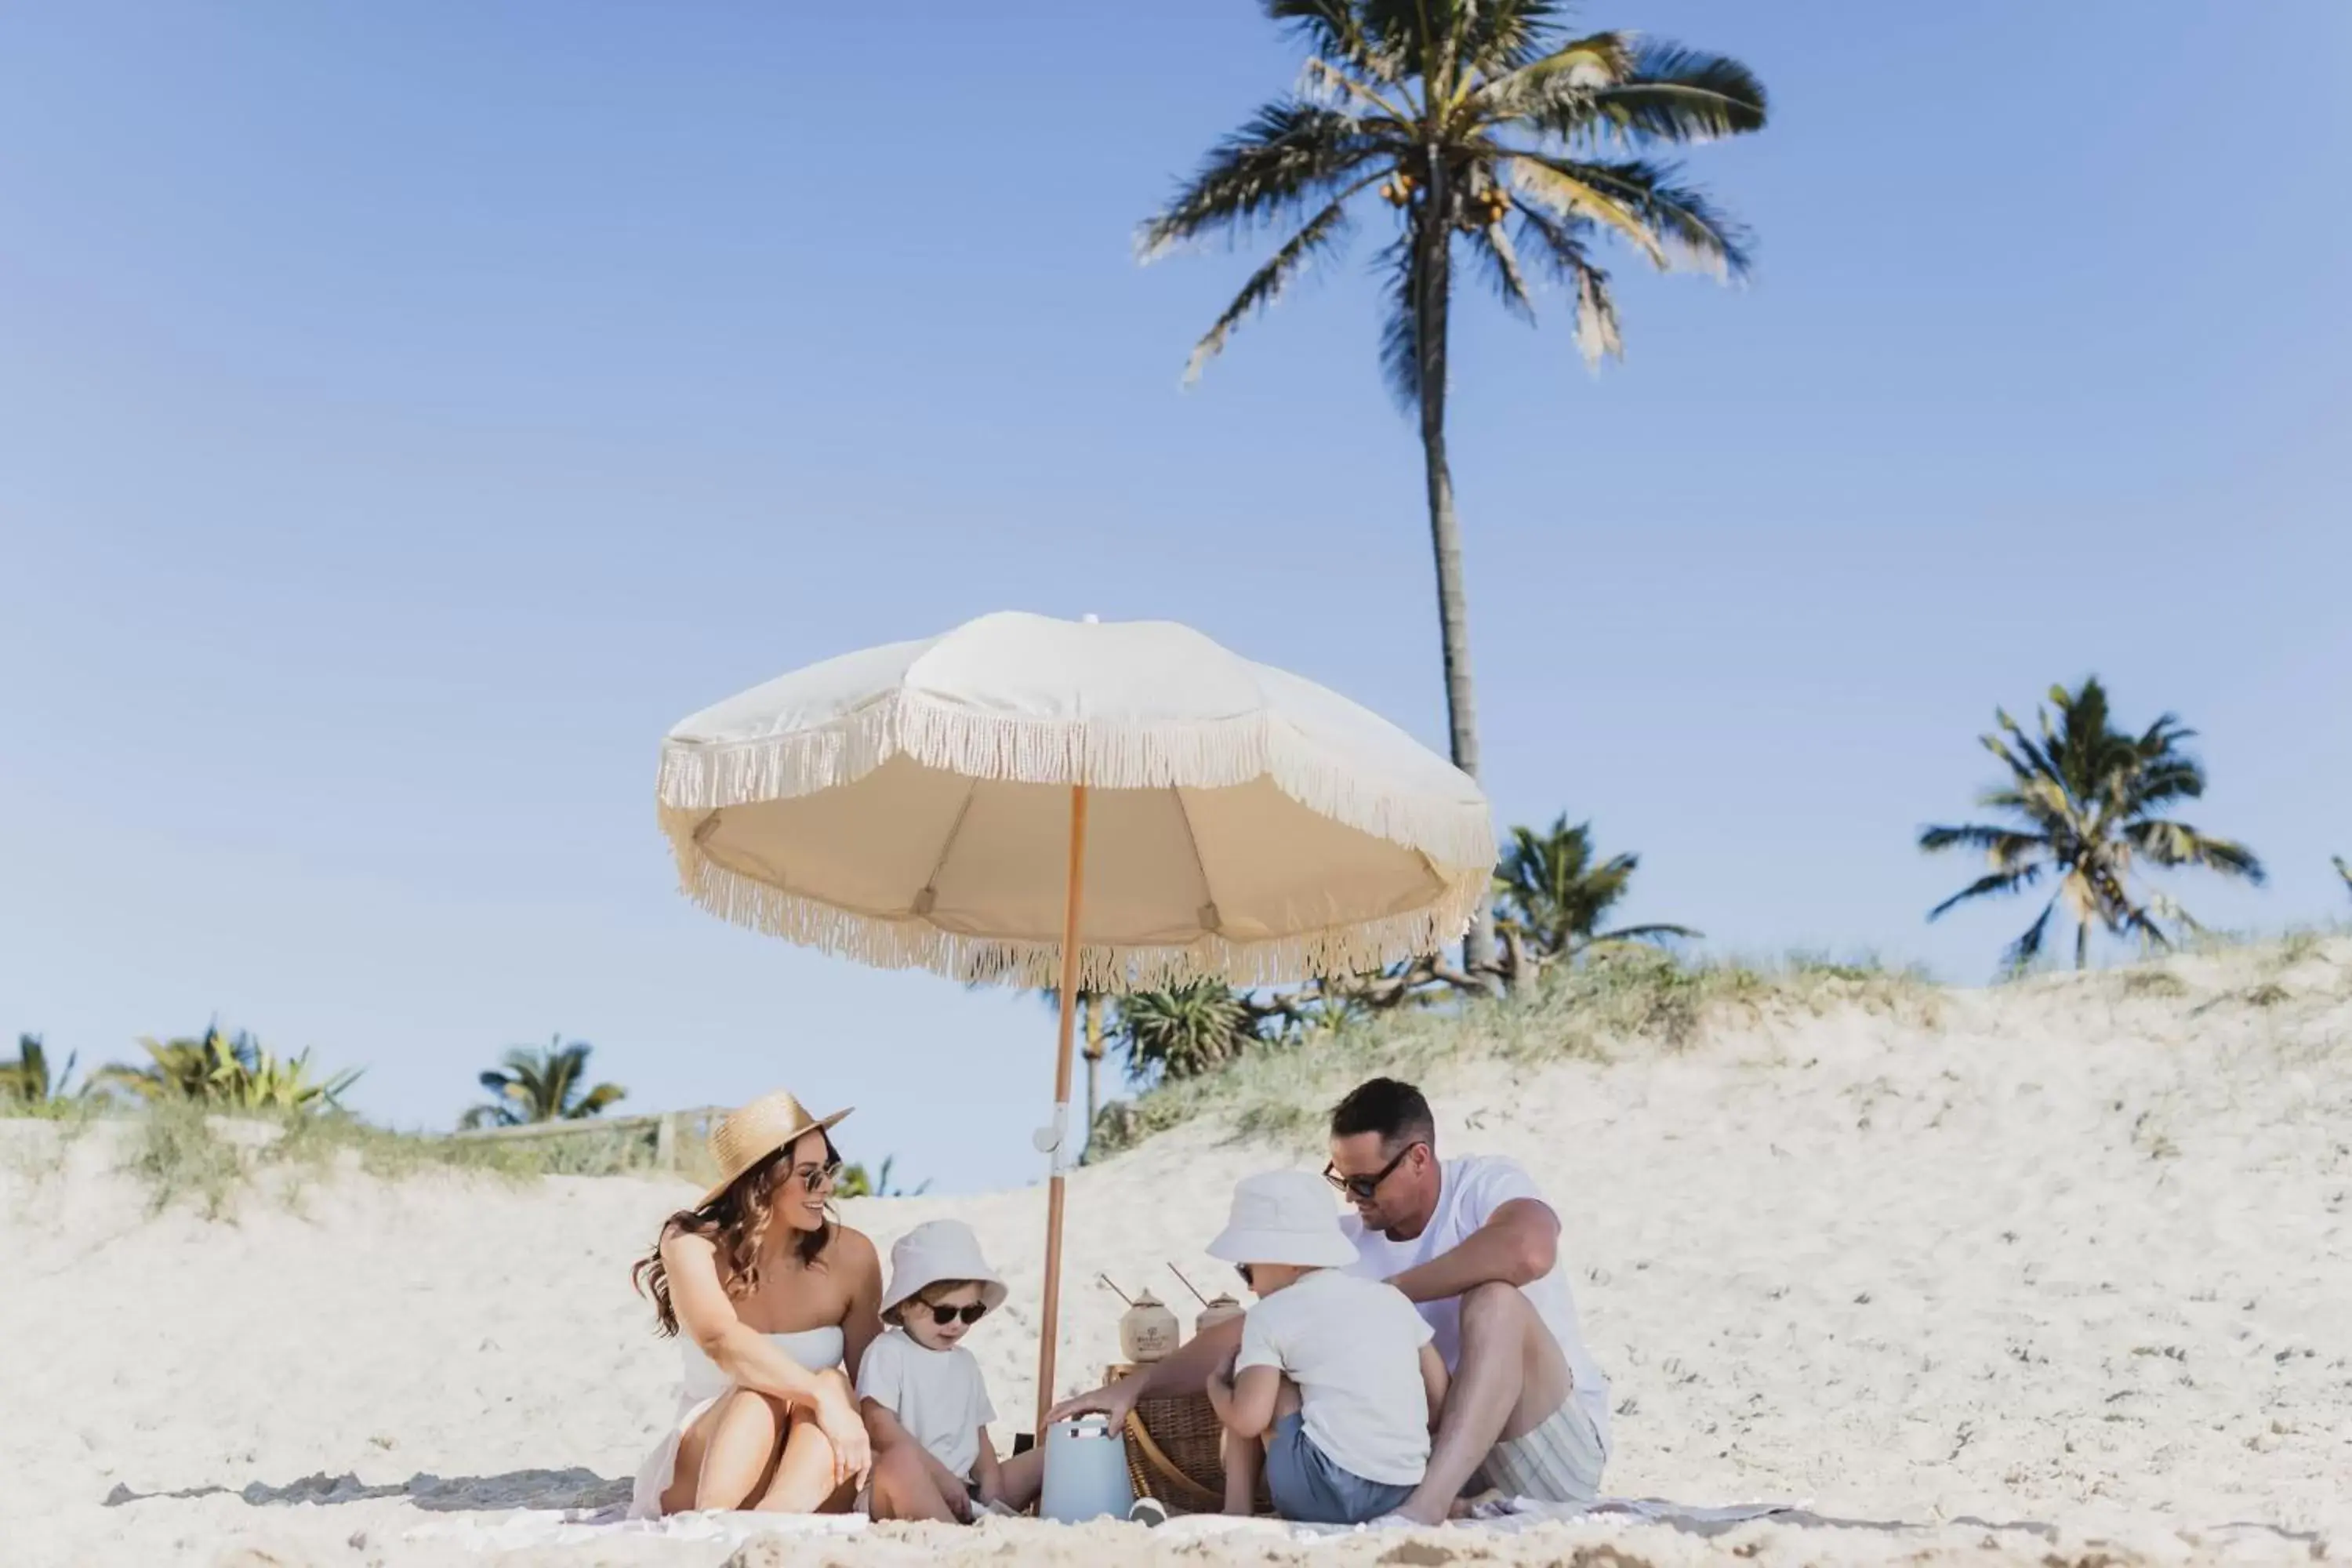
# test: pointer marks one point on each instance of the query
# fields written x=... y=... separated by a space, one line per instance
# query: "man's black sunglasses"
x=1363 y=1188
x=944 y=1316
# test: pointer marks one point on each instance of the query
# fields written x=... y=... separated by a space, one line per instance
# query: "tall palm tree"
x=1553 y=898
x=542 y=1086
x=1482 y=125
x=2087 y=802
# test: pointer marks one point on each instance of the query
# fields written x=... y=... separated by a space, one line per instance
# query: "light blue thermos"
x=1085 y=1471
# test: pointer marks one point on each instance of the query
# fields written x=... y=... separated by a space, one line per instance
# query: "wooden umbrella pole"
x=1069 y=998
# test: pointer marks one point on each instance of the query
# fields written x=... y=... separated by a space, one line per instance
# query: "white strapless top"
x=815 y=1349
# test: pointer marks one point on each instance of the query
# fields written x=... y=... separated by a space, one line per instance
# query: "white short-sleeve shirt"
x=939 y=1396
x=1471 y=1189
x=1353 y=1347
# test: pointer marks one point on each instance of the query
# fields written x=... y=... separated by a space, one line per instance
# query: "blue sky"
x=407 y=413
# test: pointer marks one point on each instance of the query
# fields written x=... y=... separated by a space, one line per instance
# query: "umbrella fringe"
x=701 y=777
x=885 y=943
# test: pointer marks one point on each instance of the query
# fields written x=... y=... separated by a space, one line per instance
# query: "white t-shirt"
x=1353 y=1347
x=938 y=1396
x=1472 y=1188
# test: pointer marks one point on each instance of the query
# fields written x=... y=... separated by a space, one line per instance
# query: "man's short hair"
x=1389 y=1106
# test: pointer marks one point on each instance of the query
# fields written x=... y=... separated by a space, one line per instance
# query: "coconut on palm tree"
x=549 y=1085
x=1551 y=897
x=2088 y=808
x=1487 y=132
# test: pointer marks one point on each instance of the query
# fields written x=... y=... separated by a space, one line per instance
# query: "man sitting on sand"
x=1473 y=1245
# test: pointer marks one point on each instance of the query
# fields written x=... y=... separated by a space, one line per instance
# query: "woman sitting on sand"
x=777 y=1302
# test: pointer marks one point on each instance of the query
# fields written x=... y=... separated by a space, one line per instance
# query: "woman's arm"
x=707 y=1315
x=862 y=1265
x=1433 y=1382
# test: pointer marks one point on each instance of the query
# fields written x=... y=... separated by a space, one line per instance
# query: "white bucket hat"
x=934 y=1250
x=1283 y=1216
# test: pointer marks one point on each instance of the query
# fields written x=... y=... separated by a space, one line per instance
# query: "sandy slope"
x=2078 y=1254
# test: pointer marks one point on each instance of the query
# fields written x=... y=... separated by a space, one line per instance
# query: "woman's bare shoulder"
x=857 y=1250
x=677 y=1242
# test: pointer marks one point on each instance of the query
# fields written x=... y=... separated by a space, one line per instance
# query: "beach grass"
x=1625 y=1000
x=184 y=1152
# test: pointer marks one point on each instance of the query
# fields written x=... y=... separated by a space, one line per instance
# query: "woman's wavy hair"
x=737 y=1222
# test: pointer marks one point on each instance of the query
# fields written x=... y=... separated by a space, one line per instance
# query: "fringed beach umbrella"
x=1099 y=808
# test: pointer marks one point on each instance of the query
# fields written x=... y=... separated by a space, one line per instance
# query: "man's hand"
x=1116 y=1400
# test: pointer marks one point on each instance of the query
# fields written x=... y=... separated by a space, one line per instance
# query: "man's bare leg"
x=1511 y=1378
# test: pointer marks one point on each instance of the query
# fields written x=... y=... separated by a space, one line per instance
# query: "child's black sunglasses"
x=944 y=1316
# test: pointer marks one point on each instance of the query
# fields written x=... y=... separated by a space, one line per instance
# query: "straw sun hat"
x=745 y=1137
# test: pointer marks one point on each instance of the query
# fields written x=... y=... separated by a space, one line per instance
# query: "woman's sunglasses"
x=944 y=1316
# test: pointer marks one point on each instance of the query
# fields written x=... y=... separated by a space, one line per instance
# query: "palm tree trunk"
x=1093 y=1004
x=2082 y=944
x=1435 y=267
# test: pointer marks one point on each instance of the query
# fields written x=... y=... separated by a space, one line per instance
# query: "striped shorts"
x=1558 y=1462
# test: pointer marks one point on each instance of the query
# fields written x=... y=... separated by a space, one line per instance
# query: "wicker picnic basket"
x=1175 y=1453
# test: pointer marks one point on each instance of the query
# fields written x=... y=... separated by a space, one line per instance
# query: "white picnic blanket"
x=571 y=1527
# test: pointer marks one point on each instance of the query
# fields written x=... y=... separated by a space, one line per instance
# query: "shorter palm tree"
x=229 y=1072
x=856 y=1182
x=26 y=1080
x=1185 y=1030
x=1552 y=897
x=542 y=1086
x=2087 y=802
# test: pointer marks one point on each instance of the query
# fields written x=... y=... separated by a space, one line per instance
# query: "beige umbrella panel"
x=1099 y=808
x=900 y=807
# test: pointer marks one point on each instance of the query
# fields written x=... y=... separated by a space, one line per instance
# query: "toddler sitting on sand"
x=918 y=1388
x=1341 y=1369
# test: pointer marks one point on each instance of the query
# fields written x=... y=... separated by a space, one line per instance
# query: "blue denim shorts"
x=1307 y=1488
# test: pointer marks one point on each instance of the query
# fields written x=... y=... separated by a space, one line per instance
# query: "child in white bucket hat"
x=918 y=1386
x=1336 y=1373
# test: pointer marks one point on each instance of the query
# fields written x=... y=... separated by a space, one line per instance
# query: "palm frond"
x=1400 y=328
x=2168 y=842
x=1674 y=94
x=1496 y=36
x=1581 y=66
x=1323 y=232
x=2021 y=954
x=1289 y=155
x=1367 y=38
x=1556 y=243
x=1673 y=225
x=1500 y=264
x=1986 y=885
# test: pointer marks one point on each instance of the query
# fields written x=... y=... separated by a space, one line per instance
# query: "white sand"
x=2074 y=1255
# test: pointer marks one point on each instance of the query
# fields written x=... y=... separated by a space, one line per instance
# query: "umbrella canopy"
x=910 y=806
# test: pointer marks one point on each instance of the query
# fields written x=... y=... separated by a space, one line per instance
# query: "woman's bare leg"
x=740 y=1440
x=804 y=1481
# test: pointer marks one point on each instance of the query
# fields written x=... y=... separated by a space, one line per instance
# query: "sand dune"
x=2039 y=1273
